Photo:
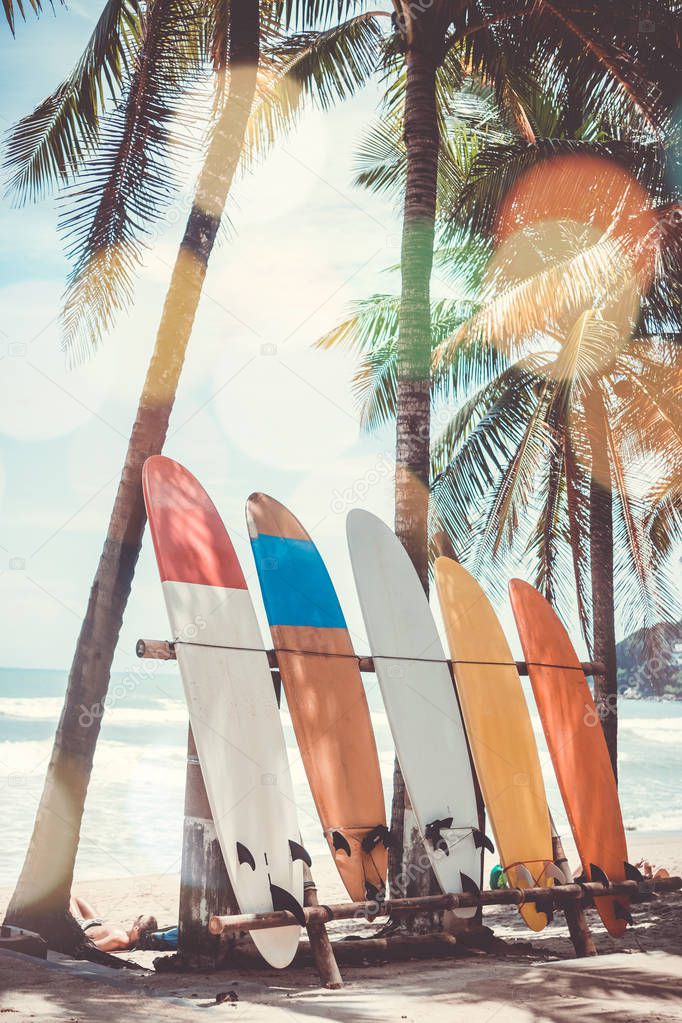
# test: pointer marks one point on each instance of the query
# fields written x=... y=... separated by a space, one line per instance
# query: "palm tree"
x=508 y=46
x=592 y=287
x=41 y=897
x=149 y=54
x=504 y=42
x=557 y=403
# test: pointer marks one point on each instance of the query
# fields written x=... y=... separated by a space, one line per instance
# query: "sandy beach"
x=535 y=980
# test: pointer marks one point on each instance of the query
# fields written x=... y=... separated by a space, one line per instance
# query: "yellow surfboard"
x=500 y=733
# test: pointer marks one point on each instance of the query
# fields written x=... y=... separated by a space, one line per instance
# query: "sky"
x=257 y=407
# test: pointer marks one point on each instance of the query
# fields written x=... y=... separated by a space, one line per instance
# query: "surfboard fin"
x=632 y=873
x=244 y=855
x=340 y=842
x=299 y=853
x=524 y=874
x=469 y=886
x=378 y=834
x=551 y=870
x=372 y=893
x=581 y=878
x=481 y=840
x=432 y=832
x=282 y=899
x=597 y=874
x=621 y=913
x=547 y=910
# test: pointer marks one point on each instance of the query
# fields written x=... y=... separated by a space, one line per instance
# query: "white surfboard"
x=231 y=700
x=420 y=701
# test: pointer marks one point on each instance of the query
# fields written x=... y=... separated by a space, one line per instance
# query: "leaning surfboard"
x=576 y=745
x=420 y=702
x=231 y=700
x=500 y=733
x=325 y=695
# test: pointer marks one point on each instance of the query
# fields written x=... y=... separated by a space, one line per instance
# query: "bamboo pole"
x=320 y=945
x=164 y=650
x=578 y=927
x=546 y=897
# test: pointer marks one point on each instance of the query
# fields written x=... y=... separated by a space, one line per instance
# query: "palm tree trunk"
x=407 y=871
x=41 y=898
x=601 y=567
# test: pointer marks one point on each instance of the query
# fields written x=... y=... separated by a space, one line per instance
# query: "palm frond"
x=550 y=539
x=663 y=520
x=14 y=7
x=372 y=324
x=311 y=14
x=498 y=167
x=46 y=148
x=375 y=387
x=128 y=184
x=316 y=67
x=543 y=301
x=577 y=463
x=633 y=584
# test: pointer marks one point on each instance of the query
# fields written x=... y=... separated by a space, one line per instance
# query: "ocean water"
x=133 y=816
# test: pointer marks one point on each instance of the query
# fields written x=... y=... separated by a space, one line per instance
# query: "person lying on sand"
x=109 y=937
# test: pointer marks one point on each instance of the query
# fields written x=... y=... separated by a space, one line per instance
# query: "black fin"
x=372 y=893
x=378 y=834
x=282 y=899
x=632 y=873
x=469 y=886
x=299 y=853
x=481 y=841
x=597 y=874
x=548 y=911
x=432 y=832
x=244 y=855
x=621 y=913
x=340 y=842
x=581 y=878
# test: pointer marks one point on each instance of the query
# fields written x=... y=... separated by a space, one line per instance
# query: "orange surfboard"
x=576 y=744
x=500 y=734
x=325 y=694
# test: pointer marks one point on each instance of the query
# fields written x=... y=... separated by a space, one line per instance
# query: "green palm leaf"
x=14 y=7
x=318 y=67
x=127 y=184
x=46 y=148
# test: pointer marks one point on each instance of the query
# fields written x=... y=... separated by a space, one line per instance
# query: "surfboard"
x=576 y=745
x=324 y=693
x=231 y=700
x=500 y=733
x=420 y=701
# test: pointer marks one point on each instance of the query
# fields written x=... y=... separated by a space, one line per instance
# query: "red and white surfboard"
x=232 y=706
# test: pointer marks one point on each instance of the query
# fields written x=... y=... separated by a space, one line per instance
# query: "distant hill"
x=650 y=662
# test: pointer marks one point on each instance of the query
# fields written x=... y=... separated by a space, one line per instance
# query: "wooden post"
x=320 y=945
x=205 y=888
x=578 y=927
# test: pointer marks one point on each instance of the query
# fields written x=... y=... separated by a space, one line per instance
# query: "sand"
x=636 y=978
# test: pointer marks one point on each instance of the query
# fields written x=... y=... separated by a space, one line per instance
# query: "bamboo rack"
x=201 y=875
x=164 y=650
x=546 y=898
